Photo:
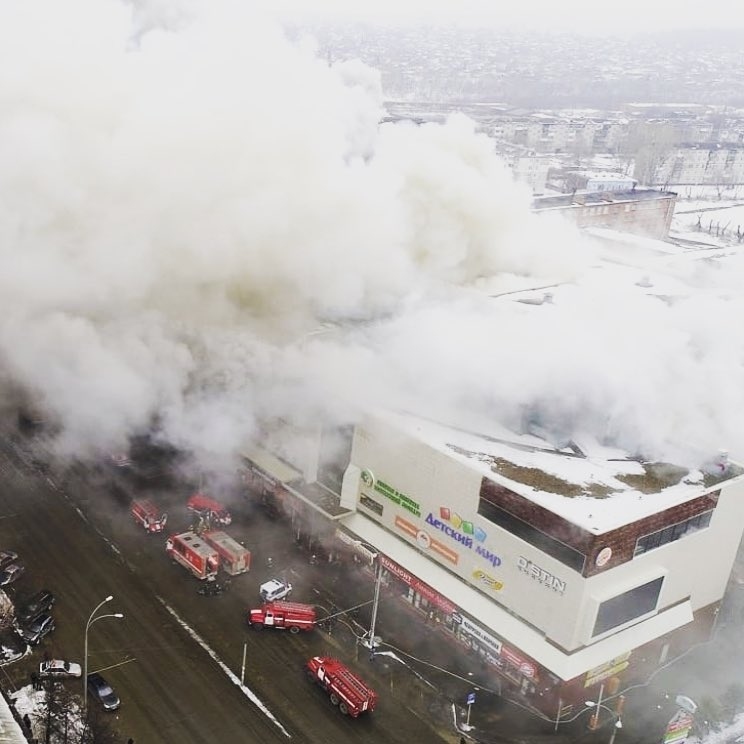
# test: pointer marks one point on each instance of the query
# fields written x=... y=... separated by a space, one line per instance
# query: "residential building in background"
x=531 y=169
x=598 y=181
x=711 y=165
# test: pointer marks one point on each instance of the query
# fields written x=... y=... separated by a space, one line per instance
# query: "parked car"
x=57 y=668
x=34 y=631
x=35 y=605
x=274 y=589
x=103 y=692
x=7 y=557
x=11 y=573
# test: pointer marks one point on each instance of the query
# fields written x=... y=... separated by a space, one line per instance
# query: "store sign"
x=451 y=524
x=418 y=586
x=391 y=493
x=480 y=635
x=541 y=575
x=457 y=522
x=490 y=582
x=461 y=537
x=527 y=668
x=678 y=729
x=603 y=557
x=425 y=541
x=607 y=670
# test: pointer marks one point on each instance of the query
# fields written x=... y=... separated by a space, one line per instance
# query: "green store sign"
x=390 y=493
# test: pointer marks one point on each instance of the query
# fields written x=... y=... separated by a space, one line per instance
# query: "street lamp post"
x=375 y=605
x=91 y=620
x=618 y=722
x=595 y=717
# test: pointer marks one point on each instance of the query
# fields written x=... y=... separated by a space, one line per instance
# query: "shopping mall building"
x=562 y=568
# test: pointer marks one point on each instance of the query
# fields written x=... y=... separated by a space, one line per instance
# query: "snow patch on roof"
x=594 y=487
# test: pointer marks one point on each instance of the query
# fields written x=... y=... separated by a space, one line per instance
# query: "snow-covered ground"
x=732 y=732
x=31 y=703
x=707 y=193
x=717 y=224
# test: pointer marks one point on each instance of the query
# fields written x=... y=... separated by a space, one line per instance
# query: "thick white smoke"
x=186 y=196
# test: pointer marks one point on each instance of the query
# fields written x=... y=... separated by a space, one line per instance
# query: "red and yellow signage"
x=425 y=540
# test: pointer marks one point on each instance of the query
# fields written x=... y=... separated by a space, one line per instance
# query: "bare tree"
x=60 y=713
x=649 y=144
x=99 y=729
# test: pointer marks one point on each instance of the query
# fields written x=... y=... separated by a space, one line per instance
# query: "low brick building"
x=642 y=211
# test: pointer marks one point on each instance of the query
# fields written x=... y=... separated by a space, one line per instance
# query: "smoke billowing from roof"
x=187 y=196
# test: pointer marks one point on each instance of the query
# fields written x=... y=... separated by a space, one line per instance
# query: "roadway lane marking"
x=233 y=677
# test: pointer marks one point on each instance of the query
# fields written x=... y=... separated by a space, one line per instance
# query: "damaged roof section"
x=595 y=487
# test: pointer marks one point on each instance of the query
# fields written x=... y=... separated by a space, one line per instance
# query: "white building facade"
x=564 y=596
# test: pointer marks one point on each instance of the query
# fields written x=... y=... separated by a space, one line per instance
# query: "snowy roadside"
x=31 y=707
x=732 y=732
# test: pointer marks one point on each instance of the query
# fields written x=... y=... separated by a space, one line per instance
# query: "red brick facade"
x=622 y=541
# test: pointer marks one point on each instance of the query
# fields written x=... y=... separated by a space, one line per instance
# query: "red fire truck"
x=210 y=509
x=148 y=515
x=344 y=688
x=193 y=553
x=234 y=558
x=292 y=615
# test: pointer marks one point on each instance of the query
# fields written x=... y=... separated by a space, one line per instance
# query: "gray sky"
x=580 y=15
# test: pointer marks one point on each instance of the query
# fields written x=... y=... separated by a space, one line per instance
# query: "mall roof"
x=592 y=486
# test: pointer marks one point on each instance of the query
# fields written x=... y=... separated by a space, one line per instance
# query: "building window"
x=627 y=606
x=672 y=533
x=547 y=544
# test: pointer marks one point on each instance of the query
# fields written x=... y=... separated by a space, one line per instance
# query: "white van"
x=274 y=589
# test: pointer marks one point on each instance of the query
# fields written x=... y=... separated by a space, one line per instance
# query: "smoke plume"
x=202 y=223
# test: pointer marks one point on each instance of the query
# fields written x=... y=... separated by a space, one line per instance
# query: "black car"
x=7 y=557
x=35 y=605
x=103 y=692
x=11 y=573
x=35 y=630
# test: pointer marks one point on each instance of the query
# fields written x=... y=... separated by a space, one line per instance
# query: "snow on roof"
x=652 y=245
x=591 y=486
x=605 y=176
x=642 y=265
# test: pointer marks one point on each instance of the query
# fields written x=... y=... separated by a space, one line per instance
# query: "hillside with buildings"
x=666 y=110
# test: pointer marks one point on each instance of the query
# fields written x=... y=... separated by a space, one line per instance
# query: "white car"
x=58 y=668
x=274 y=589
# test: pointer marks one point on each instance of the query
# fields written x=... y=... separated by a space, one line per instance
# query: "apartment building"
x=598 y=181
x=531 y=169
x=701 y=165
x=551 y=134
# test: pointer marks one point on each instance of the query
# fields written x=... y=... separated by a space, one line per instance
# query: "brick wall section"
x=621 y=541
x=652 y=217
x=543 y=519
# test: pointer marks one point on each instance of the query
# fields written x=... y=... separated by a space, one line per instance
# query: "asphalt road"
x=175 y=659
